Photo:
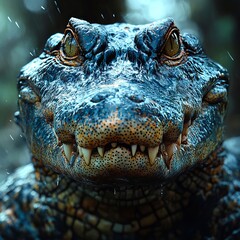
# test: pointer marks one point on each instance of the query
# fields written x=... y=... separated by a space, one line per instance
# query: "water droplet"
x=102 y=16
x=31 y=54
x=11 y=137
x=17 y=24
x=20 y=135
x=58 y=180
x=42 y=7
x=113 y=15
x=9 y=19
x=58 y=9
x=114 y=191
x=230 y=55
x=161 y=190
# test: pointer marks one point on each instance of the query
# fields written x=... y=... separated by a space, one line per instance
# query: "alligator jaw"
x=152 y=152
x=164 y=150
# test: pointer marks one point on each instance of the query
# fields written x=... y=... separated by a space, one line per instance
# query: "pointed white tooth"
x=114 y=145
x=80 y=151
x=68 y=149
x=152 y=153
x=134 y=149
x=164 y=153
x=189 y=122
x=142 y=148
x=56 y=136
x=100 y=151
x=171 y=149
x=87 y=155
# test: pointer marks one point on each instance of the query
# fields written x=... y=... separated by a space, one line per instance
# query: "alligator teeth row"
x=165 y=150
x=85 y=153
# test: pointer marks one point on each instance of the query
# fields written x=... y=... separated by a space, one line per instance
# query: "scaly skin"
x=125 y=126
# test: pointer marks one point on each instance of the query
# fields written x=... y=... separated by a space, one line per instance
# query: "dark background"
x=26 y=24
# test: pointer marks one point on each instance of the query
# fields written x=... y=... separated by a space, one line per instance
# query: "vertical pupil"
x=70 y=46
x=173 y=41
x=172 y=45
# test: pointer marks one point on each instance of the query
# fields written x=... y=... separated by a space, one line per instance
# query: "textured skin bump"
x=125 y=135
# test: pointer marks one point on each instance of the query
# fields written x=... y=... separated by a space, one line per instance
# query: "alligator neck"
x=120 y=210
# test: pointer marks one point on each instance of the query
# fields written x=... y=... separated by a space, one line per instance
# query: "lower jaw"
x=119 y=168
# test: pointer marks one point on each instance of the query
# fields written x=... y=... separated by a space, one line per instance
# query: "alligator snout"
x=113 y=122
x=136 y=98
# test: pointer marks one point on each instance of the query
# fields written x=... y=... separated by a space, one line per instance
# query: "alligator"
x=125 y=128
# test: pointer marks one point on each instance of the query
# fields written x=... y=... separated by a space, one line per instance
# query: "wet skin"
x=125 y=127
x=122 y=103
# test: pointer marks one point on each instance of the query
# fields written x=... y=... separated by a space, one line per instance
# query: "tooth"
x=166 y=159
x=134 y=149
x=142 y=148
x=189 y=122
x=185 y=127
x=171 y=149
x=100 y=151
x=87 y=155
x=152 y=153
x=56 y=136
x=68 y=149
x=165 y=154
x=168 y=153
x=179 y=140
x=185 y=131
x=80 y=151
x=114 y=145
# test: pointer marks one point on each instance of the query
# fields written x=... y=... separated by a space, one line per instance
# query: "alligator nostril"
x=99 y=97
x=136 y=98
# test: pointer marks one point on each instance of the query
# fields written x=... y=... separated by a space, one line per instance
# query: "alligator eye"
x=172 y=45
x=70 y=47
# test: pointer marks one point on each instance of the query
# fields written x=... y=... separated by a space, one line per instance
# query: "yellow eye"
x=70 y=46
x=172 y=45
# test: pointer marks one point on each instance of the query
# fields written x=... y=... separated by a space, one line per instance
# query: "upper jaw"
x=165 y=150
x=111 y=153
x=157 y=157
x=122 y=160
x=119 y=161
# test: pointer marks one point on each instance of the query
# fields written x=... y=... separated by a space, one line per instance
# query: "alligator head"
x=122 y=103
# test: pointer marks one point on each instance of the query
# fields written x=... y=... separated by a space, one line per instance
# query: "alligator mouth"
x=165 y=150
x=135 y=149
